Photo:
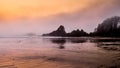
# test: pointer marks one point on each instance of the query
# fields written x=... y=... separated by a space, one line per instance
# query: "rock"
x=109 y=27
x=77 y=33
x=59 y=32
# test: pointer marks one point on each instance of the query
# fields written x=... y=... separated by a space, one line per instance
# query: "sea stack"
x=59 y=32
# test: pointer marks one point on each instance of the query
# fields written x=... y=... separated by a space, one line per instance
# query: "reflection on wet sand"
x=60 y=42
x=80 y=52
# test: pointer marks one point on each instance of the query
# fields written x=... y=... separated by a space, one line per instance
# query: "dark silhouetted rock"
x=59 y=32
x=77 y=33
x=110 y=27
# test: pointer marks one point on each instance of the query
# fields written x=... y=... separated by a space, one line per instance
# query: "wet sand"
x=36 y=54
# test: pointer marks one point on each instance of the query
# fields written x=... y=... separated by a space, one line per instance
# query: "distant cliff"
x=61 y=32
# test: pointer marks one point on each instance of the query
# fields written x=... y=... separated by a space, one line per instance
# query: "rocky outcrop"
x=77 y=33
x=110 y=27
x=61 y=32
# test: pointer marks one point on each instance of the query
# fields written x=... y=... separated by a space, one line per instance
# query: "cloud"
x=73 y=14
x=37 y=8
x=89 y=17
x=40 y=8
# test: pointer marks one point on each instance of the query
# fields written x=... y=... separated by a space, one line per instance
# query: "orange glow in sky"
x=38 y=8
x=42 y=16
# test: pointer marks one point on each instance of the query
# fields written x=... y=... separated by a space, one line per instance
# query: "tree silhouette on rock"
x=110 y=27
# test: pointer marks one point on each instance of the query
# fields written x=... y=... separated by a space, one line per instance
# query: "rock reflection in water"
x=59 y=41
x=62 y=41
x=109 y=44
x=78 y=40
x=79 y=52
x=104 y=43
x=105 y=40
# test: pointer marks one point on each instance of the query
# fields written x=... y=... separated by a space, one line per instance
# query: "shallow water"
x=58 y=52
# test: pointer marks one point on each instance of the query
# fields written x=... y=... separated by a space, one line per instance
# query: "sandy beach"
x=36 y=53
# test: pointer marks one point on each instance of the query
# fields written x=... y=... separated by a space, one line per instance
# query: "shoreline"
x=45 y=53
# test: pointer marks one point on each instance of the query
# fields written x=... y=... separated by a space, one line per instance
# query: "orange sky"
x=43 y=16
x=11 y=9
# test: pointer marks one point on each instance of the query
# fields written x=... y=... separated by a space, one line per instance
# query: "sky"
x=19 y=17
